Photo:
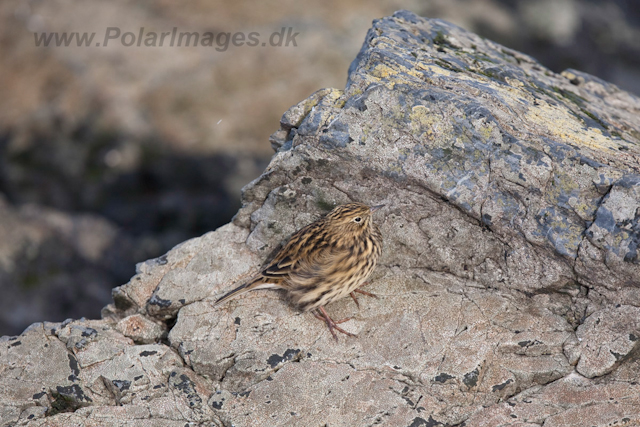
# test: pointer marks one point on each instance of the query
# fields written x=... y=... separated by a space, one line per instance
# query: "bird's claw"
x=332 y=324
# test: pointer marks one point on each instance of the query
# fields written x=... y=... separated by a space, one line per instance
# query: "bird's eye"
x=357 y=219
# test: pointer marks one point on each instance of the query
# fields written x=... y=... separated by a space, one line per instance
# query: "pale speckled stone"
x=606 y=338
x=202 y=271
x=140 y=329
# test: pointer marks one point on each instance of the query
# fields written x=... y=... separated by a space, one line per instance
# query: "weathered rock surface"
x=509 y=284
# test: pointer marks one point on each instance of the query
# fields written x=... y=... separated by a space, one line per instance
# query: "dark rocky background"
x=110 y=156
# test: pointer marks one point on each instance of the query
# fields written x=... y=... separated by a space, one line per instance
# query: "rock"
x=508 y=277
x=140 y=329
x=606 y=338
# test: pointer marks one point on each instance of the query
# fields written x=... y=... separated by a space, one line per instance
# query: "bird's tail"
x=256 y=283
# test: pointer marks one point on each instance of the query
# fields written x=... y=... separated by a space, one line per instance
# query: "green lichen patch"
x=575 y=98
x=594 y=118
x=440 y=39
x=324 y=205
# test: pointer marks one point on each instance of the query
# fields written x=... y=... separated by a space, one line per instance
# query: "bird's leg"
x=332 y=324
x=355 y=300
x=369 y=294
x=363 y=293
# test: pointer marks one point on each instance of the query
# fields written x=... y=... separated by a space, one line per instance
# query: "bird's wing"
x=319 y=268
x=279 y=267
x=317 y=281
x=317 y=278
x=301 y=245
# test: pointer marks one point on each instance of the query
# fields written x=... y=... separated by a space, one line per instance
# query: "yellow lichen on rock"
x=564 y=125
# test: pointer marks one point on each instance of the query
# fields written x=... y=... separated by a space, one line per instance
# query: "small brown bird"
x=323 y=262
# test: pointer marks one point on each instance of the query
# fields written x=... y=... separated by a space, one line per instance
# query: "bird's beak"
x=375 y=208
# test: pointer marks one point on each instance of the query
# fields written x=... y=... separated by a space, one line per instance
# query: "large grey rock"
x=510 y=266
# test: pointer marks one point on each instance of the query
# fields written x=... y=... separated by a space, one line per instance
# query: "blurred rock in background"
x=112 y=155
x=598 y=37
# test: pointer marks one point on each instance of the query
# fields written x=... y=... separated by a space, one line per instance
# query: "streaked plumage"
x=324 y=261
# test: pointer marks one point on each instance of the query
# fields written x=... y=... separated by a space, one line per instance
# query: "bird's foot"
x=369 y=294
x=322 y=314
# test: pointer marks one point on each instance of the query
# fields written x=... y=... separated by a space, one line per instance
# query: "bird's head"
x=353 y=217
